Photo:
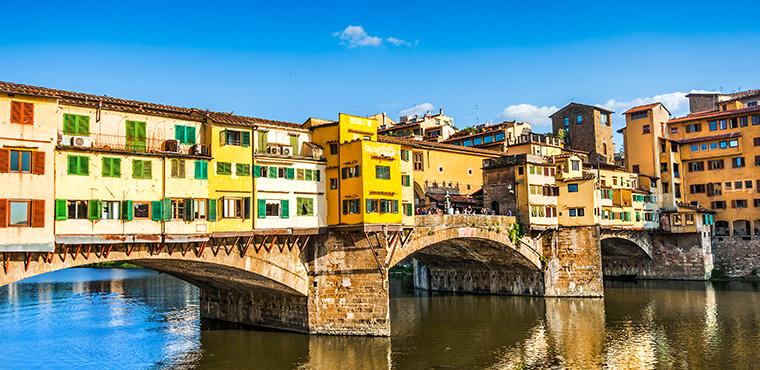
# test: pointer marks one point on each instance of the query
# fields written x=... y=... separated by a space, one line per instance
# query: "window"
x=748 y=184
x=141 y=210
x=201 y=170
x=223 y=168
x=499 y=137
x=242 y=169
x=75 y=124
x=232 y=207
x=488 y=139
x=576 y=165
x=756 y=202
x=715 y=164
x=184 y=134
x=694 y=127
x=404 y=155
x=109 y=210
x=724 y=144
x=137 y=139
x=78 y=165
x=639 y=115
x=566 y=122
x=743 y=121
x=694 y=147
x=723 y=124
x=733 y=123
x=755 y=120
x=697 y=188
x=605 y=119
x=241 y=138
x=351 y=207
x=713 y=125
x=304 y=206
x=76 y=209
x=467 y=142
x=333 y=183
x=756 y=141
x=718 y=204
x=409 y=211
x=738 y=162
x=635 y=168
x=406 y=180
x=20 y=161
x=579 y=119
x=199 y=209
x=22 y=113
x=646 y=129
x=572 y=188
x=178 y=168
x=141 y=169
x=178 y=209
x=111 y=167
x=350 y=172
x=19 y=213
x=477 y=141
x=696 y=166
x=739 y=203
x=333 y=148
x=733 y=143
x=577 y=212
x=383 y=172
x=309 y=174
x=757 y=160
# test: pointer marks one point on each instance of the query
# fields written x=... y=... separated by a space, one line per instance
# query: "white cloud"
x=355 y=37
x=537 y=116
x=418 y=109
x=676 y=102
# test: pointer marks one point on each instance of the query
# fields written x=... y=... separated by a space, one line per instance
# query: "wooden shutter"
x=130 y=134
x=83 y=125
x=107 y=167
x=181 y=168
x=72 y=165
x=317 y=175
x=294 y=144
x=189 y=212
x=167 y=211
x=261 y=206
x=309 y=206
x=38 y=163
x=38 y=213
x=3 y=212
x=69 y=124
x=256 y=170
x=190 y=135
x=61 y=211
x=262 y=141
x=5 y=160
x=84 y=166
x=137 y=169
x=272 y=172
x=127 y=210
x=245 y=138
x=16 y=112
x=93 y=209
x=284 y=208
x=156 y=210
x=247 y=207
x=116 y=167
x=140 y=135
x=28 y=114
x=290 y=173
x=175 y=168
x=179 y=133
x=212 y=209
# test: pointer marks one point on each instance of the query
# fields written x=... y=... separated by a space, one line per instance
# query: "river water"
x=138 y=319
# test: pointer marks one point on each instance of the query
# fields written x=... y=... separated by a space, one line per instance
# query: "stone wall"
x=482 y=281
x=349 y=292
x=255 y=307
x=737 y=257
x=573 y=262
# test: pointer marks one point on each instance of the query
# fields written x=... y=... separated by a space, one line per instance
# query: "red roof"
x=729 y=135
x=642 y=108
x=713 y=114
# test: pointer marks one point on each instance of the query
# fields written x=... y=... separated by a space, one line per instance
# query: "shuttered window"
x=262 y=141
x=111 y=167
x=136 y=136
x=201 y=170
x=284 y=208
x=405 y=181
x=304 y=206
x=22 y=113
x=184 y=134
x=142 y=169
x=294 y=144
x=212 y=209
x=76 y=124
x=178 y=168
x=223 y=168
x=242 y=169
x=78 y=165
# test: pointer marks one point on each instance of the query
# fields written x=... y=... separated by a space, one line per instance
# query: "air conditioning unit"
x=286 y=150
x=65 y=140
x=81 y=141
x=200 y=149
x=171 y=146
x=274 y=150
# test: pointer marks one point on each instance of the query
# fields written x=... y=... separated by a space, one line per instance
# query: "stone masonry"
x=737 y=257
x=573 y=262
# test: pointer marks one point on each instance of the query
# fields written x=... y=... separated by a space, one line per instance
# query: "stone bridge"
x=336 y=281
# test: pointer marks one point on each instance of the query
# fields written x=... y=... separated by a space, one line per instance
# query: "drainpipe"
x=254 y=198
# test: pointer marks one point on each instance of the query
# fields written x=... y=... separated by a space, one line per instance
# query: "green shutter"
x=84 y=166
x=148 y=170
x=262 y=141
x=136 y=136
x=137 y=168
x=317 y=175
x=69 y=124
x=290 y=173
x=61 y=212
x=246 y=207
x=197 y=169
x=273 y=172
x=201 y=170
x=93 y=209
x=261 y=206
x=73 y=165
x=167 y=209
x=179 y=133
x=83 y=125
x=256 y=170
x=190 y=135
x=294 y=144
x=308 y=175
x=127 y=211
x=212 y=209
x=189 y=212
x=284 y=208
x=106 y=167
x=116 y=167
x=157 y=210
x=310 y=207
x=246 y=138
x=299 y=206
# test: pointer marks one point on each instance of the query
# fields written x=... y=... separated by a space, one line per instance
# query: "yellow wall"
x=584 y=198
x=232 y=186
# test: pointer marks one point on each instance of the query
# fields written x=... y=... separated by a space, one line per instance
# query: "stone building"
x=587 y=128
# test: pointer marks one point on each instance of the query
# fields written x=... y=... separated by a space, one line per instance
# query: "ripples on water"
x=139 y=319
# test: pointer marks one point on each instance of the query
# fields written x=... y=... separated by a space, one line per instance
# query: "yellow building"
x=577 y=203
x=364 y=175
x=27 y=128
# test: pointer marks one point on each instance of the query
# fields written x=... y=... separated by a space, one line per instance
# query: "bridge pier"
x=479 y=279
x=573 y=262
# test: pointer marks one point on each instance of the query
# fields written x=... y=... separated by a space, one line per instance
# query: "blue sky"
x=480 y=61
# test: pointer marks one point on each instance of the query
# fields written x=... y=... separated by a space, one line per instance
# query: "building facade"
x=586 y=128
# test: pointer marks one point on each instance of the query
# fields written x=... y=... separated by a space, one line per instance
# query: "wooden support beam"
x=247 y=245
x=63 y=253
x=202 y=247
x=87 y=249
x=305 y=242
x=6 y=261
x=380 y=266
x=263 y=241
x=107 y=250
x=27 y=261
x=76 y=254
x=271 y=244
x=49 y=257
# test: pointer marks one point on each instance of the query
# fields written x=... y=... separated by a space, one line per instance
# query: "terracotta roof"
x=586 y=176
x=729 y=135
x=435 y=145
x=741 y=95
x=398 y=127
x=642 y=108
x=582 y=105
x=713 y=114
x=233 y=119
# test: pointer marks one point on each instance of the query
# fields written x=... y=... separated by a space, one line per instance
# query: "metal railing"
x=121 y=143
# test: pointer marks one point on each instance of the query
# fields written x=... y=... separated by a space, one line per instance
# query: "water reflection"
x=85 y=318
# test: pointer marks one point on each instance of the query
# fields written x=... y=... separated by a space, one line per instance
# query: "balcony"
x=120 y=144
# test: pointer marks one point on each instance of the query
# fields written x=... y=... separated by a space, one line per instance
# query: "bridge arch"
x=625 y=253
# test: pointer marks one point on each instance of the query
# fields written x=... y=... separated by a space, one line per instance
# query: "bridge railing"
x=463 y=220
